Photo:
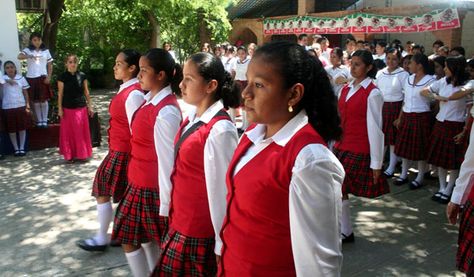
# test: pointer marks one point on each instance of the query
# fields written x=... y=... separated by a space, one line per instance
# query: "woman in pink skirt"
x=74 y=106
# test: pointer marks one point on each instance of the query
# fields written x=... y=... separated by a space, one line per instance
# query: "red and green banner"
x=364 y=23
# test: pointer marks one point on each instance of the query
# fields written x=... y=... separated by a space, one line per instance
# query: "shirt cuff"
x=218 y=248
x=164 y=209
x=456 y=198
x=376 y=164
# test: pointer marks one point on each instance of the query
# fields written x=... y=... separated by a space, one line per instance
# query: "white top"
x=379 y=57
x=240 y=69
x=2 y=81
x=134 y=100
x=327 y=55
x=374 y=121
x=37 y=66
x=470 y=97
x=391 y=84
x=465 y=173
x=13 y=94
x=336 y=72
x=414 y=102
x=228 y=63
x=454 y=110
x=166 y=127
x=315 y=186
x=218 y=150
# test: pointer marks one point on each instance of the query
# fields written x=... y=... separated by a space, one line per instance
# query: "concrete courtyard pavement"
x=45 y=206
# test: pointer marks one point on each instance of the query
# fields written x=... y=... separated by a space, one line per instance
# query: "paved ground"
x=45 y=206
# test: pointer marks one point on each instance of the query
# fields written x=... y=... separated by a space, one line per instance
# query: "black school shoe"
x=444 y=199
x=89 y=247
x=399 y=181
x=348 y=239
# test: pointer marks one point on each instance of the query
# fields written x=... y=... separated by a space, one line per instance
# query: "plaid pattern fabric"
x=15 y=119
x=38 y=91
x=111 y=176
x=443 y=151
x=359 y=175
x=465 y=254
x=390 y=112
x=137 y=219
x=413 y=136
x=186 y=256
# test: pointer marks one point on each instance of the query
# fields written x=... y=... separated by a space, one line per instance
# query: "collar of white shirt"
x=207 y=115
x=257 y=134
x=396 y=71
x=364 y=83
x=128 y=83
x=158 y=97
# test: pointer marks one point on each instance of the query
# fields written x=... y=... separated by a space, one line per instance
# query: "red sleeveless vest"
x=256 y=230
x=355 y=137
x=119 y=131
x=143 y=165
x=189 y=212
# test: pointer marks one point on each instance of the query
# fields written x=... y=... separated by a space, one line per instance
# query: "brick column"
x=305 y=6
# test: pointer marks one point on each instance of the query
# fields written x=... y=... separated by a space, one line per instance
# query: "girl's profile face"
x=392 y=61
x=147 y=76
x=71 y=64
x=447 y=71
x=36 y=41
x=10 y=69
x=439 y=70
x=122 y=71
x=413 y=66
x=265 y=98
x=358 y=68
x=193 y=86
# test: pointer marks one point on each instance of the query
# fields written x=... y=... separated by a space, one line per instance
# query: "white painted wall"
x=9 y=45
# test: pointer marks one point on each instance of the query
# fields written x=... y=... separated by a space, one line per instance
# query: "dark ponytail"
x=367 y=59
x=211 y=68
x=295 y=65
x=161 y=60
x=422 y=59
x=132 y=57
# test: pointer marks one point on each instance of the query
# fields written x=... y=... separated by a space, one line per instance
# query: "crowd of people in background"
x=318 y=124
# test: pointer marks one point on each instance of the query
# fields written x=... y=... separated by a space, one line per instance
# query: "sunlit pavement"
x=45 y=206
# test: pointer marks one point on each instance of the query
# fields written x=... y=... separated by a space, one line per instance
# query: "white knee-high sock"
x=442 y=173
x=22 y=139
x=404 y=172
x=422 y=165
x=38 y=113
x=453 y=175
x=14 y=141
x=152 y=253
x=138 y=264
x=393 y=160
x=346 y=224
x=105 y=214
x=44 y=111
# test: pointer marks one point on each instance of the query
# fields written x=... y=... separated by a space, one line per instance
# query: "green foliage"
x=97 y=30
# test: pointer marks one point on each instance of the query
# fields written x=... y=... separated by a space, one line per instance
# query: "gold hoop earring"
x=290 y=109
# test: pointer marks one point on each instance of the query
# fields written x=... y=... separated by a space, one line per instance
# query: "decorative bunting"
x=363 y=23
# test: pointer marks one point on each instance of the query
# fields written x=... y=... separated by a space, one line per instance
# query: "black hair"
x=295 y=65
x=321 y=39
x=470 y=63
x=445 y=49
x=438 y=42
x=422 y=59
x=211 y=68
x=439 y=60
x=166 y=42
x=160 y=60
x=300 y=37
x=242 y=48
x=396 y=42
x=132 y=57
x=457 y=66
x=31 y=46
x=338 y=51
x=382 y=43
x=5 y=65
x=349 y=39
x=379 y=64
x=419 y=46
x=395 y=51
x=360 y=41
x=367 y=59
x=459 y=49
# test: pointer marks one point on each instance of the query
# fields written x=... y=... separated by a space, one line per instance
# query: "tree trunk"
x=155 y=30
x=50 y=27
x=204 y=34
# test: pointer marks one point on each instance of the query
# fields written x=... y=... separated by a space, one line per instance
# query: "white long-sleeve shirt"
x=315 y=186
x=453 y=110
x=218 y=150
x=166 y=126
x=335 y=72
x=391 y=84
x=374 y=121
x=413 y=101
x=134 y=100
x=466 y=172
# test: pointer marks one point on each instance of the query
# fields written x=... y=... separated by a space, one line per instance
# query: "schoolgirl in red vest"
x=444 y=152
x=203 y=149
x=111 y=177
x=284 y=185
x=361 y=148
x=414 y=122
x=141 y=218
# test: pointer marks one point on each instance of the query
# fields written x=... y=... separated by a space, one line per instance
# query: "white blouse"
x=391 y=84
x=134 y=100
x=414 y=102
x=166 y=127
x=336 y=72
x=218 y=151
x=37 y=66
x=315 y=185
x=13 y=94
x=454 y=110
x=240 y=69
x=466 y=172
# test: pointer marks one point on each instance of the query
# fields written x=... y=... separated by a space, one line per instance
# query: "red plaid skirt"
x=15 y=119
x=465 y=255
x=390 y=112
x=186 y=256
x=443 y=151
x=38 y=91
x=359 y=175
x=137 y=219
x=413 y=136
x=111 y=176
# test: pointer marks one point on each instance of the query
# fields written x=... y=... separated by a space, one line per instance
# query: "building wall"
x=9 y=45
